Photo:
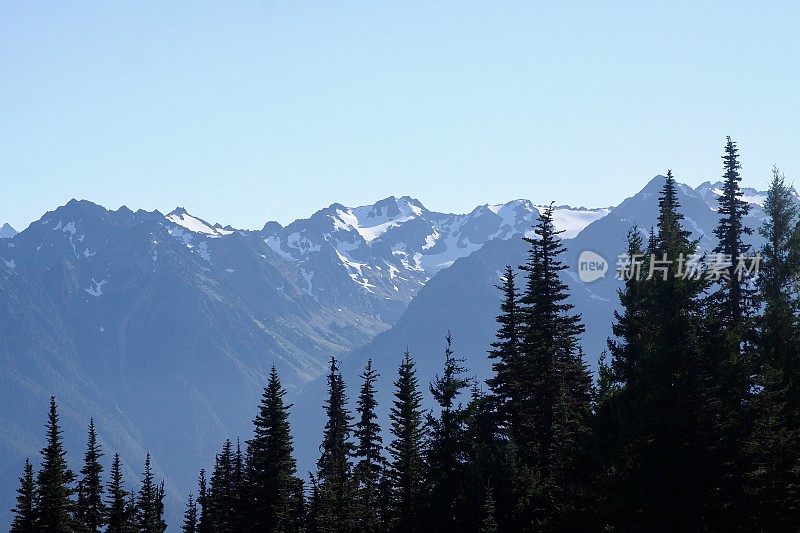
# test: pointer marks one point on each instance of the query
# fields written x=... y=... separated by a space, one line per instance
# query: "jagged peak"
x=6 y=231
x=183 y=218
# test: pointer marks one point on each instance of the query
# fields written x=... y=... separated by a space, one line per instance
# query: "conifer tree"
x=368 y=453
x=620 y=383
x=488 y=459
x=446 y=450
x=239 y=487
x=506 y=348
x=222 y=493
x=190 y=516
x=119 y=513
x=333 y=467
x=489 y=524
x=25 y=509
x=91 y=511
x=735 y=298
x=775 y=475
x=728 y=335
x=271 y=467
x=54 y=481
x=313 y=521
x=552 y=397
x=150 y=502
x=406 y=468
x=664 y=385
x=204 y=524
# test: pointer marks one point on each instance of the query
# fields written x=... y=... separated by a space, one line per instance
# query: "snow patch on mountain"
x=96 y=288
x=196 y=225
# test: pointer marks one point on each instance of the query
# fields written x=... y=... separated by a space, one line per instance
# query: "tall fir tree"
x=447 y=448
x=119 y=512
x=727 y=336
x=333 y=466
x=774 y=479
x=190 y=516
x=149 y=503
x=620 y=384
x=271 y=466
x=204 y=524
x=370 y=463
x=240 y=488
x=506 y=348
x=222 y=492
x=552 y=396
x=406 y=468
x=54 y=481
x=91 y=511
x=664 y=387
x=25 y=509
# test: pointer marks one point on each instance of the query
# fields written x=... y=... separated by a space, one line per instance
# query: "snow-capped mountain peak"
x=181 y=217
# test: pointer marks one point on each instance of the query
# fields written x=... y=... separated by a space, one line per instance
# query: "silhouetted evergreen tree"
x=446 y=449
x=406 y=468
x=190 y=516
x=333 y=466
x=775 y=476
x=271 y=467
x=664 y=387
x=368 y=453
x=91 y=511
x=506 y=348
x=150 y=502
x=222 y=492
x=239 y=488
x=54 y=481
x=119 y=512
x=204 y=521
x=25 y=509
x=727 y=339
x=620 y=383
x=551 y=400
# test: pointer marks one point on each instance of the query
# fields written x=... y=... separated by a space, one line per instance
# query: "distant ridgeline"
x=693 y=422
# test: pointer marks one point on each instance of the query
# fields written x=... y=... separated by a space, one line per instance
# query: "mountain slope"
x=462 y=299
x=6 y=231
x=163 y=327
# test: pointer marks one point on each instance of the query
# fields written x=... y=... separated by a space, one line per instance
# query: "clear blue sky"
x=245 y=112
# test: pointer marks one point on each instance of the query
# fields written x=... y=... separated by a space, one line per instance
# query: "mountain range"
x=164 y=327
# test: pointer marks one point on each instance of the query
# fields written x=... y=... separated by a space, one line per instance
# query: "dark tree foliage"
x=25 y=509
x=150 y=502
x=489 y=523
x=657 y=363
x=446 y=452
x=333 y=466
x=406 y=468
x=370 y=463
x=271 y=466
x=190 y=516
x=551 y=401
x=506 y=348
x=91 y=511
x=775 y=475
x=727 y=334
x=119 y=511
x=204 y=518
x=54 y=482
x=222 y=493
